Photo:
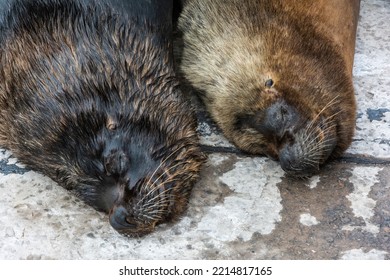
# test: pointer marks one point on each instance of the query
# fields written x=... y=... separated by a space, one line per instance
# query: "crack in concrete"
x=360 y=159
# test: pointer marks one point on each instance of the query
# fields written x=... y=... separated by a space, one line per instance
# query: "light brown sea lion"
x=275 y=75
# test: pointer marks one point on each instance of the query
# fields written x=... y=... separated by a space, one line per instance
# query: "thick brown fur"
x=90 y=99
x=276 y=76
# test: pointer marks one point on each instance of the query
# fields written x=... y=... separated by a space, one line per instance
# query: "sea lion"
x=276 y=75
x=89 y=98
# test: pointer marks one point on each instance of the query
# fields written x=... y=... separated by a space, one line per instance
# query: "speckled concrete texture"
x=243 y=207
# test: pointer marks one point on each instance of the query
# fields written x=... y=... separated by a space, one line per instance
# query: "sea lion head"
x=139 y=172
x=295 y=108
x=301 y=126
x=90 y=98
x=274 y=82
x=274 y=76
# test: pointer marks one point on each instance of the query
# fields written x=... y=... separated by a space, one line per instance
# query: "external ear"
x=112 y=123
x=269 y=83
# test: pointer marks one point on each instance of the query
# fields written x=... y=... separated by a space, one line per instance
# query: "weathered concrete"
x=244 y=207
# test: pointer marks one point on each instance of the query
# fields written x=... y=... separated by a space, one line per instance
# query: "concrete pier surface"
x=243 y=207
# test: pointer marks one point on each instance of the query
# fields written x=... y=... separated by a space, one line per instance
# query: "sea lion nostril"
x=130 y=222
x=119 y=219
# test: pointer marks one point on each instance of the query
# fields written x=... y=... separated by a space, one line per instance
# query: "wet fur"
x=232 y=48
x=90 y=99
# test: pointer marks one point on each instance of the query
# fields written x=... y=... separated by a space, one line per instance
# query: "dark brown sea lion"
x=276 y=75
x=90 y=98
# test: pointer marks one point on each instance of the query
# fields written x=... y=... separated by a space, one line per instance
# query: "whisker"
x=148 y=217
x=159 y=185
x=154 y=198
x=330 y=103
x=325 y=131
x=315 y=143
x=161 y=163
x=169 y=169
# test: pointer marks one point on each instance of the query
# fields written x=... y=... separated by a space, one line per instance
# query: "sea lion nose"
x=289 y=164
x=294 y=165
x=119 y=219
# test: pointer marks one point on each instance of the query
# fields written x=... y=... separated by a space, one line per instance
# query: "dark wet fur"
x=90 y=99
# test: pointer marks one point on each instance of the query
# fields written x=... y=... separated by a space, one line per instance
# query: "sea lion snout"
x=300 y=144
x=313 y=144
x=301 y=140
x=124 y=222
x=118 y=218
x=294 y=163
